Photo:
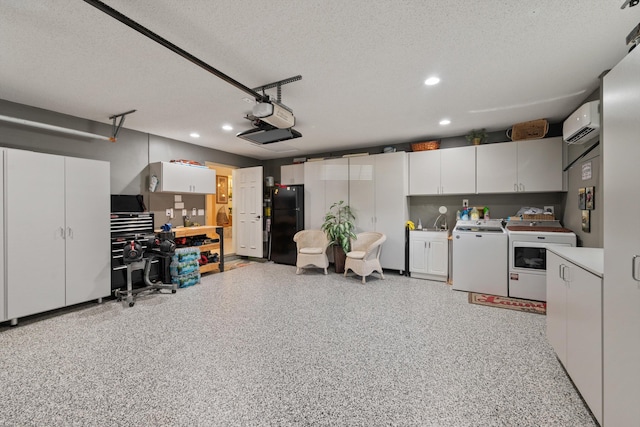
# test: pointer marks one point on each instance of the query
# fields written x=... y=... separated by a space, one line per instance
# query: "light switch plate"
x=465 y=203
x=194 y=212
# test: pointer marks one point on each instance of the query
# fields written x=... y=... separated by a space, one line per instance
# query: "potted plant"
x=477 y=137
x=339 y=225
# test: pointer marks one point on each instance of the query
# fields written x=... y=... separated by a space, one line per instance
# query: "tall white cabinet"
x=378 y=196
x=3 y=288
x=325 y=182
x=621 y=295
x=57 y=218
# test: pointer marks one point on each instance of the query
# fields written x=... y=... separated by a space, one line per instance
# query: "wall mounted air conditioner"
x=583 y=125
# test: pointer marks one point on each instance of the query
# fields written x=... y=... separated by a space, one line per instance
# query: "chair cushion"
x=356 y=254
x=311 y=250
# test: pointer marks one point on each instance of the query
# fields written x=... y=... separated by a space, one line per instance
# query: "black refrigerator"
x=287 y=218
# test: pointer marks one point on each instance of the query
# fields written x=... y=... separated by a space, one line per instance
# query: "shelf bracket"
x=116 y=128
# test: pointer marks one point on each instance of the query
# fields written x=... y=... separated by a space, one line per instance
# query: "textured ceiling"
x=363 y=64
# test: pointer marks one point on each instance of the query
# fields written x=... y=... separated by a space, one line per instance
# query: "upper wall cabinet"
x=178 y=178
x=520 y=166
x=448 y=171
x=292 y=174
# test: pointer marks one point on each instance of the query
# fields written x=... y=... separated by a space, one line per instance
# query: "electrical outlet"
x=168 y=212
x=194 y=212
x=465 y=203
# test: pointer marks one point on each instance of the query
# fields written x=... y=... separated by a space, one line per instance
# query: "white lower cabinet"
x=574 y=326
x=57 y=231
x=429 y=255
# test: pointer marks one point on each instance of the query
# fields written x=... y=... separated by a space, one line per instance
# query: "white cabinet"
x=87 y=204
x=378 y=198
x=292 y=174
x=574 y=326
x=429 y=255
x=178 y=178
x=447 y=171
x=3 y=287
x=325 y=182
x=61 y=205
x=621 y=175
x=520 y=166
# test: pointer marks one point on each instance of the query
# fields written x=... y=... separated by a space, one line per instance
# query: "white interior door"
x=35 y=232
x=88 y=267
x=247 y=211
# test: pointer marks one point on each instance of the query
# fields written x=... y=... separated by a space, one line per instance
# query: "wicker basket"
x=534 y=129
x=426 y=145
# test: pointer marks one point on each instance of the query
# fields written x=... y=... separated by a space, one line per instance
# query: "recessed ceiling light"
x=194 y=135
x=432 y=81
x=227 y=127
x=445 y=122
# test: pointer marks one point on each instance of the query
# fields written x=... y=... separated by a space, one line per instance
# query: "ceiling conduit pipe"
x=54 y=128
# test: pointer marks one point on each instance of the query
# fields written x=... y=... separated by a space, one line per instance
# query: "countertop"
x=591 y=259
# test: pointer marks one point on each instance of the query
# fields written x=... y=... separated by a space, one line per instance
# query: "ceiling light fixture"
x=445 y=122
x=227 y=127
x=432 y=81
x=194 y=135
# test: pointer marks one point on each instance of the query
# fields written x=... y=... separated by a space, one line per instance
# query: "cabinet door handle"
x=62 y=232
x=560 y=271
x=69 y=232
x=634 y=267
x=521 y=187
x=515 y=187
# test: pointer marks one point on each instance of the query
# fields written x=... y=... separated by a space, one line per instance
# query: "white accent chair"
x=364 y=257
x=311 y=248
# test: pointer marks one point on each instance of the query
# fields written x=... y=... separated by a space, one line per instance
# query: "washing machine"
x=480 y=257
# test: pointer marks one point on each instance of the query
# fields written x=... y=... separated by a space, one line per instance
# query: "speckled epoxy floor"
x=260 y=345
